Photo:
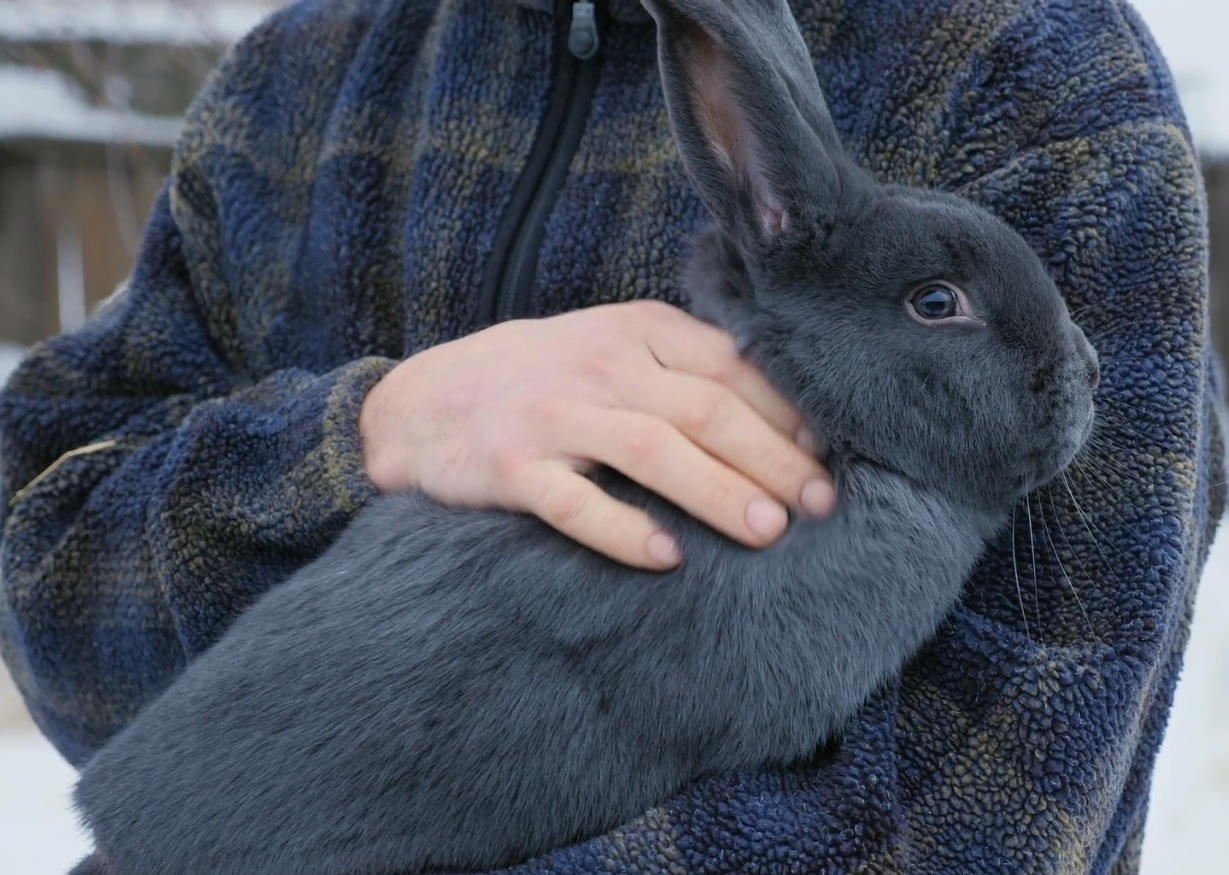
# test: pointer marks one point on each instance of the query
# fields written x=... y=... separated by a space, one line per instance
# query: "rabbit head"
x=913 y=329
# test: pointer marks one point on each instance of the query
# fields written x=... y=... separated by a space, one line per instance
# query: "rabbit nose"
x=1093 y=371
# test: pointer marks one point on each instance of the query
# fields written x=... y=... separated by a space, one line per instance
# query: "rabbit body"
x=462 y=689
x=459 y=689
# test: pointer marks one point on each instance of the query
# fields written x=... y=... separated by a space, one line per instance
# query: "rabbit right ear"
x=747 y=112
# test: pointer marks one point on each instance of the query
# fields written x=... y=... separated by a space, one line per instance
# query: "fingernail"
x=807 y=441
x=663 y=549
x=766 y=518
x=818 y=496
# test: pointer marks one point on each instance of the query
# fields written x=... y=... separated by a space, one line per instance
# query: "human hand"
x=514 y=415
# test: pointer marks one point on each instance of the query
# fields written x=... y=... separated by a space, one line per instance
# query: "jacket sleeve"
x=152 y=483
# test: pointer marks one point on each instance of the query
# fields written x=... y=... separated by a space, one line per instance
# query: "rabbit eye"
x=934 y=301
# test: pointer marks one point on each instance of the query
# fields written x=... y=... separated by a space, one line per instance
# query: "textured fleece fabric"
x=332 y=209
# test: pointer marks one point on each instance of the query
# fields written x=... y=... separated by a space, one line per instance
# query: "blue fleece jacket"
x=335 y=204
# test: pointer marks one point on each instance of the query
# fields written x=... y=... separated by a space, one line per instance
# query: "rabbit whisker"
x=1102 y=460
x=1097 y=535
x=1062 y=566
x=1032 y=549
x=1114 y=408
x=1016 y=573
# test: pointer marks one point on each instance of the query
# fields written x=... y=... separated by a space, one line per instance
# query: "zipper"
x=514 y=260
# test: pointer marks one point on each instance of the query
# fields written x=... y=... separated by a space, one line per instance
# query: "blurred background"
x=91 y=97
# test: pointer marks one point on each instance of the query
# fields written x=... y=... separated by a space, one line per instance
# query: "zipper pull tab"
x=583 y=40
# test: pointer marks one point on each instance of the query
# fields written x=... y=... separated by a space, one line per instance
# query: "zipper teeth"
x=521 y=251
x=522 y=230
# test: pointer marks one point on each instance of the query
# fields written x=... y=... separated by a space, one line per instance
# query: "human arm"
x=207 y=474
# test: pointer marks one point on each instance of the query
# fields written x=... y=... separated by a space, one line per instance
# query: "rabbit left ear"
x=747 y=112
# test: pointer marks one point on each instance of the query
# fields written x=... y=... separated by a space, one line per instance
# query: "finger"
x=656 y=455
x=680 y=342
x=724 y=425
x=581 y=510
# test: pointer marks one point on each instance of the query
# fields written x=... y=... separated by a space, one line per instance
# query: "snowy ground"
x=38 y=836
x=1190 y=787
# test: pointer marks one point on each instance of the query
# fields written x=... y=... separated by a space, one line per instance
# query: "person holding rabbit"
x=423 y=246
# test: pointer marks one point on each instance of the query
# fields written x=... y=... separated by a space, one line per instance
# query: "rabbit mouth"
x=1065 y=453
x=1081 y=434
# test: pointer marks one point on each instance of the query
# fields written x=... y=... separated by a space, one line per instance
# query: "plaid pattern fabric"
x=332 y=208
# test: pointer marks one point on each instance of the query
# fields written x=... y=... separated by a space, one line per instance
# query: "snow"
x=38 y=832
x=131 y=21
x=10 y=353
x=1190 y=786
x=43 y=105
x=1192 y=35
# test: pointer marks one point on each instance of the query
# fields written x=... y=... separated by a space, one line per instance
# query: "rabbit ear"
x=747 y=111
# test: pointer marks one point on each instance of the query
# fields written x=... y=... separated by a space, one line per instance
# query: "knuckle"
x=508 y=461
x=702 y=413
x=727 y=363
x=563 y=507
x=645 y=440
x=722 y=500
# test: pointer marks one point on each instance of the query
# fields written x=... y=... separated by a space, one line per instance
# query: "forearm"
x=152 y=487
x=123 y=562
x=199 y=469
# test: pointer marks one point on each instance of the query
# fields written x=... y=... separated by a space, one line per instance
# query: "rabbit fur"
x=452 y=689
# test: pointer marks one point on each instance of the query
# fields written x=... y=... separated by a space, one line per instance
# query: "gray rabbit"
x=459 y=689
